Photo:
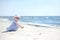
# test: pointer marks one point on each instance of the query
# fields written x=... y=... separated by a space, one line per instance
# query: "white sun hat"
x=17 y=16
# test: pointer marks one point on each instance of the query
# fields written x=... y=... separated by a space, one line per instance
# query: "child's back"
x=13 y=26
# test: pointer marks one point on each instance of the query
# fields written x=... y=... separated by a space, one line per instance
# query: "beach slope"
x=29 y=32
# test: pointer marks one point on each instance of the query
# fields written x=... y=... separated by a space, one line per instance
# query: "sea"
x=51 y=20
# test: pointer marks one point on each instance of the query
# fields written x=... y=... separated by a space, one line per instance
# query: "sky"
x=30 y=7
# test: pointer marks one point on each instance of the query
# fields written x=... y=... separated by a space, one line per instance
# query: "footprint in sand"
x=40 y=33
x=35 y=39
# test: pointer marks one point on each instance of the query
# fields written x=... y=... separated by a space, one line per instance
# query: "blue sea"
x=51 y=20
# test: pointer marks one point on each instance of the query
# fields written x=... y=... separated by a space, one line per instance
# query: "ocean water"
x=52 y=20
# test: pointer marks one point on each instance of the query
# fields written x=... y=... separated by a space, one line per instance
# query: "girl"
x=14 y=26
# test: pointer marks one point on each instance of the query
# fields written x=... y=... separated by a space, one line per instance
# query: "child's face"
x=16 y=19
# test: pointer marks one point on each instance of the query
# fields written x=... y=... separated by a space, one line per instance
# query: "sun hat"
x=17 y=17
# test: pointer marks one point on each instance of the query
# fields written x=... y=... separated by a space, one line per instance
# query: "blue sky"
x=30 y=7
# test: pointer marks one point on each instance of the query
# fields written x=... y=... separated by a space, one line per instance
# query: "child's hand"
x=21 y=26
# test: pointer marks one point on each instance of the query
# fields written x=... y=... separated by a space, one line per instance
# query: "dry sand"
x=29 y=32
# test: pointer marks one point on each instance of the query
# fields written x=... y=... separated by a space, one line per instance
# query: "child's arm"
x=20 y=26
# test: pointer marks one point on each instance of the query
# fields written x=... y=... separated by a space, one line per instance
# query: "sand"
x=29 y=32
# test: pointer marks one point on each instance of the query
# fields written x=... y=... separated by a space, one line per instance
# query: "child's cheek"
x=16 y=19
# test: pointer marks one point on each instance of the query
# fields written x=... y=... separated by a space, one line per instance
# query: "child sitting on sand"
x=14 y=26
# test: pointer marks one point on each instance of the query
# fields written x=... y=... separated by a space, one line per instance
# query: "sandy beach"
x=29 y=32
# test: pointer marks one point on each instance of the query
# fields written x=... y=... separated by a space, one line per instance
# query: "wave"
x=1 y=19
x=41 y=25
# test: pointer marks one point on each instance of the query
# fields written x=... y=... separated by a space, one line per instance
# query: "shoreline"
x=31 y=23
x=41 y=25
x=36 y=24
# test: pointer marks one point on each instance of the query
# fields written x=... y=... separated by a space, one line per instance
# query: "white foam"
x=41 y=25
x=35 y=23
x=1 y=19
